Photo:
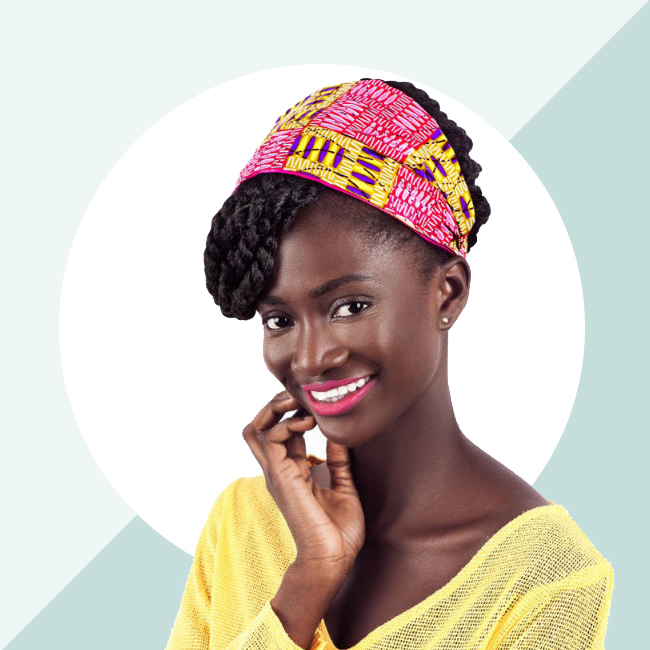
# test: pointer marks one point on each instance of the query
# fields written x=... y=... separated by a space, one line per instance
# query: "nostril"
x=313 y=360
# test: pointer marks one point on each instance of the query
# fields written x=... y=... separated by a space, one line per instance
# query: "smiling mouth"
x=341 y=399
x=337 y=394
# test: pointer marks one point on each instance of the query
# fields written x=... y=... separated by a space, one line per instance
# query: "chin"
x=345 y=430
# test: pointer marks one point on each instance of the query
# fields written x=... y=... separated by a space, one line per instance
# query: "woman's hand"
x=327 y=524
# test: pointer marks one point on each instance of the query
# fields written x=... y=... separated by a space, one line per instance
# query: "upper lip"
x=334 y=383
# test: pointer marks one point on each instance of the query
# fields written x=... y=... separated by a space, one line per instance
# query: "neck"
x=409 y=477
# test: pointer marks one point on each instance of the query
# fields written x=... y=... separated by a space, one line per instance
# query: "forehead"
x=324 y=243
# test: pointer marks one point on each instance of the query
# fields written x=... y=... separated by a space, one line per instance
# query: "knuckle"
x=280 y=397
x=278 y=429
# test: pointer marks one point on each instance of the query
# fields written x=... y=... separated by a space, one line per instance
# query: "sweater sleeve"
x=266 y=632
x=192 y=630
x=570 y=614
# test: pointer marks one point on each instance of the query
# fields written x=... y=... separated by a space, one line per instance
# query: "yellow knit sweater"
x=537 y=584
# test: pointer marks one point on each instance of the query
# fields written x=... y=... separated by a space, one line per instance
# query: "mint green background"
x=79 y=568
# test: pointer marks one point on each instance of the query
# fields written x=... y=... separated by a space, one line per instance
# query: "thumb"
x=339 y=465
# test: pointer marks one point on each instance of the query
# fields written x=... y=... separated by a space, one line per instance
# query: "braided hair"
x=241 y=246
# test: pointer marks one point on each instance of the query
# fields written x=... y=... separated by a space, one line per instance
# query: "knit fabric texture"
x=537 y=584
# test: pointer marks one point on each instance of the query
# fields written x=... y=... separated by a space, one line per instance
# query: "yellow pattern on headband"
x=372 y=141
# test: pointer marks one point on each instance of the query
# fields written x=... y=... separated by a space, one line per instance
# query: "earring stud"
x=445 y=319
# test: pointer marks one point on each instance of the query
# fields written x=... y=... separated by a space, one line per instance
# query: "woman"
x=348 y=233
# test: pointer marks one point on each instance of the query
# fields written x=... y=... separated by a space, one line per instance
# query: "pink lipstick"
x=343 y=403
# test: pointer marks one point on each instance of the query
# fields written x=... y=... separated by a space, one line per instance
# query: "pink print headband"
x=372 y=141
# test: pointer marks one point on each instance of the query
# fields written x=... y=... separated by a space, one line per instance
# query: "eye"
x=351 y=308
x=275 y=322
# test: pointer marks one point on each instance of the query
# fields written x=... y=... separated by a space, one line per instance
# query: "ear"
x=452 y=280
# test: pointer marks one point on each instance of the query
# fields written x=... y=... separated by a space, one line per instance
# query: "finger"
x=296 y=443
x=272 y=442
x=283 y=431
x=339 y=465
x=251 y=436
x=272 y=413
x=297 y=450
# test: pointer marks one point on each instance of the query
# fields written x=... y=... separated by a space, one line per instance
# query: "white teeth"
x=338 y=393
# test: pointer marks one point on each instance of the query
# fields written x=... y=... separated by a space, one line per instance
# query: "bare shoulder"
x=509 y=493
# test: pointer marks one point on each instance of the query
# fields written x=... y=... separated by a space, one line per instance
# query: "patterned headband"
x=373 y=142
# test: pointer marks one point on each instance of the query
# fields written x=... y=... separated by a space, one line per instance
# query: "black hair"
x=241 y=246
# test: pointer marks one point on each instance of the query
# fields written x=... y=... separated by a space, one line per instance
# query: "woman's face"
x=342 y=311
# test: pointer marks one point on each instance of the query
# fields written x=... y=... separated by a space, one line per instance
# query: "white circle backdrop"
x=161 y=384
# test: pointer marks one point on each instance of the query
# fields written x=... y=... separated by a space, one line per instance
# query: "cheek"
x=397 y=336
x=412 y=348
x=274 y=357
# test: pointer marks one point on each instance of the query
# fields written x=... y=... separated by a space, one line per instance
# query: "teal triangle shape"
x=589 y=146
x=126 y=598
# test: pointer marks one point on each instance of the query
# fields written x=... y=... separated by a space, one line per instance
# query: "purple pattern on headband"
x=294 y=146
x=463 y=205
x=446 y=145
x=364 y=178
x=337 y=158
x=425 y=174
x=368 y=165
x=436 y=134
x=439 y=167
x=356 y=190
x=310 y=146
x=372 y=153
x=323 y=151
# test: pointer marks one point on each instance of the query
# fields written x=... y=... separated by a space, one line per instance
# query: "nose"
x=316 y=351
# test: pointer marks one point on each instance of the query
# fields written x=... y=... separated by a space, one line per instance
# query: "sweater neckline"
x=407 y=615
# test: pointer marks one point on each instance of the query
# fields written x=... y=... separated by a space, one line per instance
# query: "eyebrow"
x=328 y=286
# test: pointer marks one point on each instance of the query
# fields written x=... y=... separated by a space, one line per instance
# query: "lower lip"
x=342 y=406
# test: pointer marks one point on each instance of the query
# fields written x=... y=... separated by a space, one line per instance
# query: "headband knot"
x=373 y=142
